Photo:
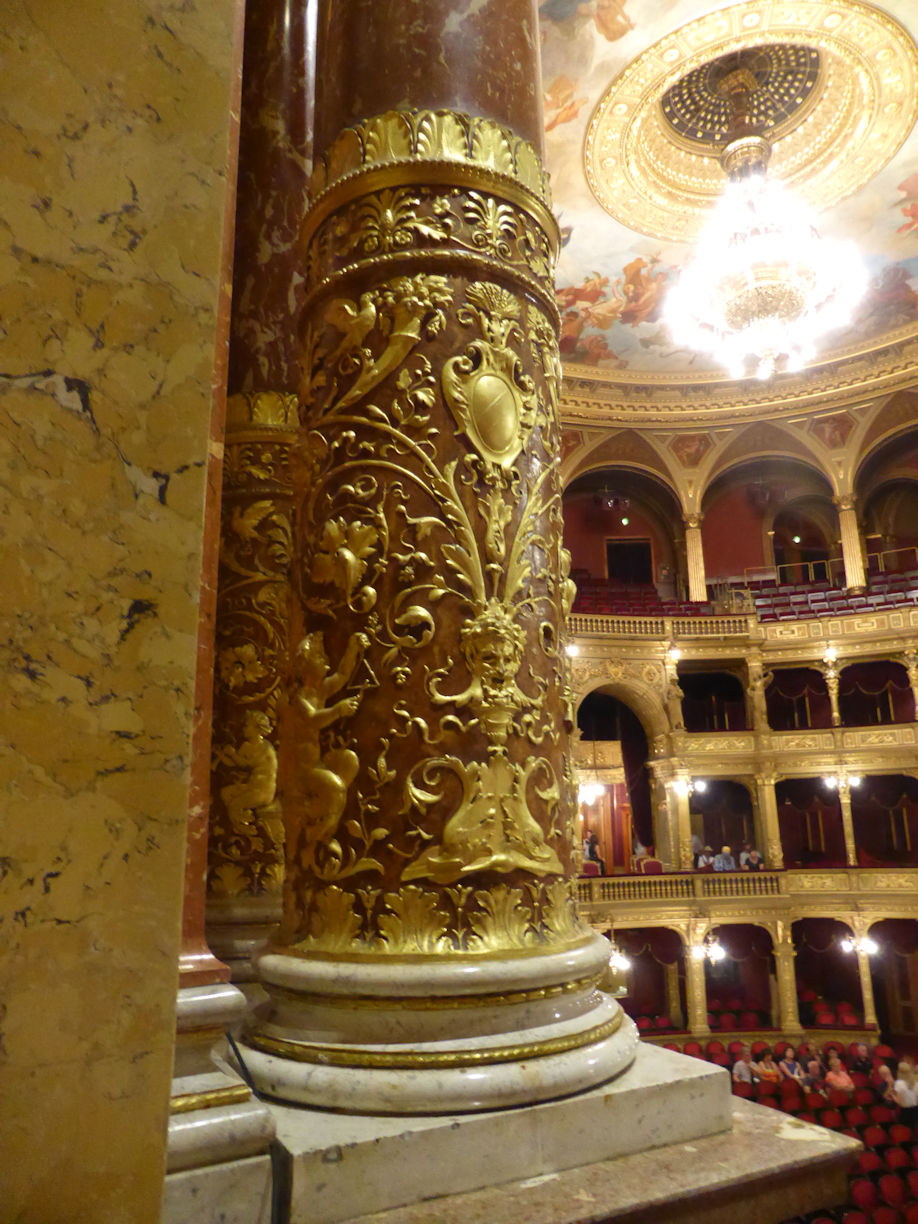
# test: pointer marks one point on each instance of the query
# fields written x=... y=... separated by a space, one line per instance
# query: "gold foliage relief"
x=246 y=839
x=429 y=551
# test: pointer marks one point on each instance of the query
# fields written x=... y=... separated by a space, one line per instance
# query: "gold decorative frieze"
x=411 y=136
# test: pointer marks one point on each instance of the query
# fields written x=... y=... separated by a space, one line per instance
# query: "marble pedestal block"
x=343 y=1166
x=237 y=1192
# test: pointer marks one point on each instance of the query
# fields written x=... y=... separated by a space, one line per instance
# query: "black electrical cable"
x=280 y=1176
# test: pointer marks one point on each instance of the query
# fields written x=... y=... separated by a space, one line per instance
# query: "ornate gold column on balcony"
x=767 y=803
x=430 y=956
x=694 y=558
x=696 y=991
x=851 y=544
x=788 y=1019
x=844 y=797
x=910 y=659
x=860 y=928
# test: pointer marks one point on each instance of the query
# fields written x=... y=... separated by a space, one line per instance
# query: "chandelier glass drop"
x=764 y=287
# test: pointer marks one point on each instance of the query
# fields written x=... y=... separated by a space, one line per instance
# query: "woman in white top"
x=905 y=1091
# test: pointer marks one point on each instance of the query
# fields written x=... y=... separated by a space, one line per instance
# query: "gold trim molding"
x=187 y=1102
x=866 y=103
x=412 y=1060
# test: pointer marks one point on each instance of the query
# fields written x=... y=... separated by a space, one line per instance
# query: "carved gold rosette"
x=427 y=781
x=246 y=840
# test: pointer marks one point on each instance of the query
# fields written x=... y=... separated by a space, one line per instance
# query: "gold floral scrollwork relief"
x=246 y=840
x=429 y=549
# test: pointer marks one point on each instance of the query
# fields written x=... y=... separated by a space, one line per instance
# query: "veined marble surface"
x=117 y=132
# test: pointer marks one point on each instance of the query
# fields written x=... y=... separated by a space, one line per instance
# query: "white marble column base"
x=343 y=1166
x=437 y=1035
x=238 y=1192
x=213 y=1115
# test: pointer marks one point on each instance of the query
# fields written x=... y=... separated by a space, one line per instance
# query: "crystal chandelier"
x=764 y=287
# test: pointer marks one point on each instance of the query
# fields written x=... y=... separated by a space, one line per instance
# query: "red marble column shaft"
x=275 y=147
x=478 y=57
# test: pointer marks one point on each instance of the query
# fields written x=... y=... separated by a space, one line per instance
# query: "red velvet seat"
x=864 y=1194
x=849 y=1020
x=815 y=1101
x=808 y=1117
x=837 y=1047
x=839 y=1098
x=693 y=1048
x=721 y=1060
x=882 y=1114
x=832 y=1119
x=759 y=1046
x=885 y=1215
x=864 y=1096
x=771 y=1102
x=744 y=1090
x=589 y=868
x=892 y=1189
x=727 y=1021
x=855 y=1217
x=911 y=1178
x=900 y=1132
x=735 y=1048
x=670 y=1045
x=663 y=1022
x=855 y=1116
x=875 y=1137
x=869 y=1162
x=748 y=1020
x=896 y=1158
x=715 y=1047
x=643 y=1023
x=859 y=1079
x=884 y=1051
x=780 y=1047
x=910 y=1214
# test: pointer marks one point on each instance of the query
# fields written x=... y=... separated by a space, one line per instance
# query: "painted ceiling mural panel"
x=612 y=279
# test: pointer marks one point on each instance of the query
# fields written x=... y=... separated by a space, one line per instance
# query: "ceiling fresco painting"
x=612 y=277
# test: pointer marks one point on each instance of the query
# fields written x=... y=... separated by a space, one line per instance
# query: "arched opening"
x=802 y=535
x=887 y=485
x=622 y=817
x=620 y=526
x=740 y=987
x=810 y=822
x=894 y=975
x=656 y=980
x=756 y=507
x=884 y=813
x=828 y=982
x=721 y=815
x=874 y=693
x=797 y=698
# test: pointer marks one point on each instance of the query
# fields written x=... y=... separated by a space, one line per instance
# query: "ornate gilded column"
x=246 y=842
x=861 y=929
x=788 y=1019
x=851 y=544
x=758 y=681
x=671 y=988
x=430 y=956
x=910 y=659
x=245 y=852
x=769 y=825
x=696 y=990
x=694 y=556
x=829 y=669
x=844 y=797
x=680 y=822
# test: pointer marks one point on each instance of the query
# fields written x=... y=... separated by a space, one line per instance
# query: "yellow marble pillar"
x=673 y=1002
x=788 y=1018
x=115 y=177
x=769 y=829
x=696 y=990
x=694 y=558
x=851 y=543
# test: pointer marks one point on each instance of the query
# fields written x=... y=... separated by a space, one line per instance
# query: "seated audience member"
x=753 y=861
x=724 y=861
x=837 y=1076
x=593 y=852
x=705 y=859
x=789 y=1067
x=884 y=1085
x=766 y=1068
x=742 y=1068
x=813 y=1080
x=744 y=855
x=905 y=1092
x=861 y=1061
x=697 y=847
x=806 y=1052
